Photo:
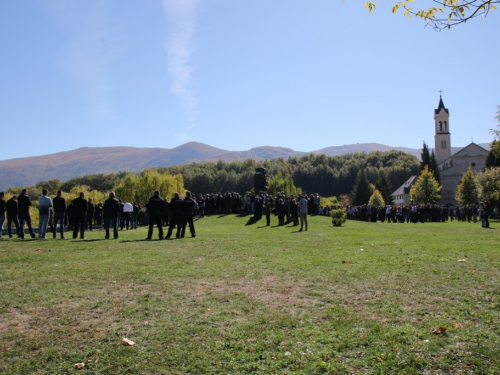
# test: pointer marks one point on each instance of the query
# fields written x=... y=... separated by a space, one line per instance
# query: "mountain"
x=92 y=160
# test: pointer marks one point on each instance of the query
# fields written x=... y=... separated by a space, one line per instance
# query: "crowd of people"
x=414 y=213
x=82 y=215
x=57 y=216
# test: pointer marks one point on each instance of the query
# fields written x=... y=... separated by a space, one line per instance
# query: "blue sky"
x=237 y=74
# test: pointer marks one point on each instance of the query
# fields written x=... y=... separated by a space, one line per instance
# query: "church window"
x=443 y=144
x=440 y=126
x=445 y=126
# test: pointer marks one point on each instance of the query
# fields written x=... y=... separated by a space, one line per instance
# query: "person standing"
x=485 y=215
x=128 y=208
x=110 y=212
x=59 y=204
x=44 y=206
x=23 y=205
x=90 y=215
x=303 y=212
x=176 y=210
x=12 y=212
x=134 y=217
x=266 y=211
x=187 y=214
x=80 y=215
x=155 y=208
x=2 y=211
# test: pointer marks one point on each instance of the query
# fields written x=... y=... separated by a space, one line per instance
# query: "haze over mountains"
x=92 y=160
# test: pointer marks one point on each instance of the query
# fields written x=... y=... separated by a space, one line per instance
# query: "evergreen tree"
x=434 y=167
x=467 y=193
x=376 y=199
x=426 y=157
x=426 y=190
x=362 y=190
x=383 y=186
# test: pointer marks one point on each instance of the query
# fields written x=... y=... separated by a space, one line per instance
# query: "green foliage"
x=489 y=184
x=279 y=183
x=429 y=161
x=99 y=182
x=376 y=199
x=446 y=14
x=434 y=167
x=338 y=216
x=425 y=157
x=493 y=158
x=362 y=190
x=52 y=186
x=467 y=193
x=329 y=201
x=426 y=190
x=384 y=187
x=140 y=187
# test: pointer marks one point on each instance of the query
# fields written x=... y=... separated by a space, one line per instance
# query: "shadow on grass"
x=252 y=220
x=87 y=240
x=143 y=240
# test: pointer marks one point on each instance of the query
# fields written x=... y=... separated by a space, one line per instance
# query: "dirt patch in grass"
x=270 y=291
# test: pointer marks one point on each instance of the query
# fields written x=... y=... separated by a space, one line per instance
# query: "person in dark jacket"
x=90 y=214
x=11 y=207
x=23 y=206
x=80 y=207
x=155 y=208
x=2 y=211
x=187 y=214
x=59 y=204
x=110 y=211
x=176 y=211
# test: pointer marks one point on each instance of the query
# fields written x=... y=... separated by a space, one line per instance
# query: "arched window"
x=440 y=126
x=445 y=126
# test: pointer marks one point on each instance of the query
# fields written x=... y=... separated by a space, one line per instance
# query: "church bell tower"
x=442 y=144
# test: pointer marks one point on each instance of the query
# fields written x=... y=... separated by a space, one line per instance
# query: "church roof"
x=471 y=146
x=441 y=106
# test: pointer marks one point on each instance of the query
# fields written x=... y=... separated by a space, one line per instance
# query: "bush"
x=339 y=216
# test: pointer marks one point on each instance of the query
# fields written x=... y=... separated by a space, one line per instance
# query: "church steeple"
x=442 y=138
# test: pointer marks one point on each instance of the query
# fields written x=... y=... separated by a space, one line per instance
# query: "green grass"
x=242 y=298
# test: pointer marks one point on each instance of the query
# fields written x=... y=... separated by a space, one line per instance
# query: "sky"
x=237 y=74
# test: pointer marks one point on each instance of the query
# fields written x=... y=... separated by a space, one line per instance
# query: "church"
x=451 y=167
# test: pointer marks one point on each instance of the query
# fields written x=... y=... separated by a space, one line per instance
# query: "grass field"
x=242 y=298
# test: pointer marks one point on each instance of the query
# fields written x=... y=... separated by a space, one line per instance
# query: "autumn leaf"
x=439 y=330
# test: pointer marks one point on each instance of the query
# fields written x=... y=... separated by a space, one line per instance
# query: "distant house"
x=402 y=195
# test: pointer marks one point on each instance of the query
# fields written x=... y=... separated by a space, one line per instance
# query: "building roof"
x=441 y=106
x=405 y=188
x=469 y=147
